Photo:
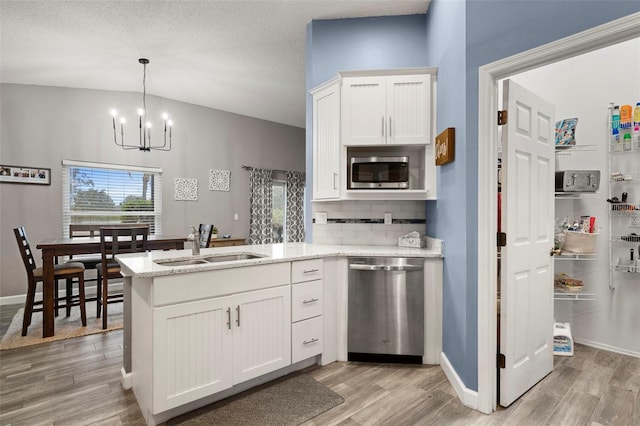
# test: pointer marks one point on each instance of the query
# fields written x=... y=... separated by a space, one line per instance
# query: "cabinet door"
x=363 y=111
x=408 y=109
x=262 y=332
x=326 y=143
x=191 y=351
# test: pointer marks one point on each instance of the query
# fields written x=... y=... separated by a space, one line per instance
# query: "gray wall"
x=40 y=126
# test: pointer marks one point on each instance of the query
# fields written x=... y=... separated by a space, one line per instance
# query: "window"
x=279 y=210
x=95 y=193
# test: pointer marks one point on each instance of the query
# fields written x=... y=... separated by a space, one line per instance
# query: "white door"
x=262 y=332
x=409 y=109
x=326 y=143
x=526 y=317
x=191 y=351
x=364 y=107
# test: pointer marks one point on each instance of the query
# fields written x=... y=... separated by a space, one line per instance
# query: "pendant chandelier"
x=144 y=126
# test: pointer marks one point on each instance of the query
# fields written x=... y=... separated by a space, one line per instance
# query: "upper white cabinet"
x=326 y=141
x=386 y=109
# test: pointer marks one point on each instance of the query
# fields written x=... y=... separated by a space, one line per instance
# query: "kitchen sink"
x=180 y=262
x=210 y=259
x=231 y=257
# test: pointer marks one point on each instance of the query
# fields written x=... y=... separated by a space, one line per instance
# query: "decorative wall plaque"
x=219 y=180
x=186 y=189
x=445 y=146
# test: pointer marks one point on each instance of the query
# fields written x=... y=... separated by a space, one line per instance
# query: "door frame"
x=613 y=32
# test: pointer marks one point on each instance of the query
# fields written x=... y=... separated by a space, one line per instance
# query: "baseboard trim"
x=467 y=396
x=125 y=379
x=605 y=347
x=18 y=299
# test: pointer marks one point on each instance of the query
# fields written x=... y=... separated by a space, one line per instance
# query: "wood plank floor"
x=77 y=382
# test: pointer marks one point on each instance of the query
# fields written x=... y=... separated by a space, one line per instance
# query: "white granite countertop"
x=143 y=265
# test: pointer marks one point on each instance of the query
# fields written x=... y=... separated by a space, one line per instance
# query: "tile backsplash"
x=362 y=222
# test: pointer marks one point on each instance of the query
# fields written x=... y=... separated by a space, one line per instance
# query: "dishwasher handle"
x=365 y=267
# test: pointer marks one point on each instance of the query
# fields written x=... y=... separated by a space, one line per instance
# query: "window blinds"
x=95 y=193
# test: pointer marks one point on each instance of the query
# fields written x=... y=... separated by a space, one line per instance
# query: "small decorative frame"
x=219 y=180
x=24 y=174
x=186 y=189
x=446 y=146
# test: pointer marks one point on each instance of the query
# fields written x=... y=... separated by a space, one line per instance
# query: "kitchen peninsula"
x=204 y=327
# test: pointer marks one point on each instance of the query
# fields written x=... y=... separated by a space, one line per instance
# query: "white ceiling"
x=246 y=57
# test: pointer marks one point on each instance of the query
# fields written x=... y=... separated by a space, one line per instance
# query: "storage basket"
x=579 y=242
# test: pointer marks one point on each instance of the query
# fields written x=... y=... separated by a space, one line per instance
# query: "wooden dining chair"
x=116 y=240
x=67 y=271
x=205 y=235
x=90 y=261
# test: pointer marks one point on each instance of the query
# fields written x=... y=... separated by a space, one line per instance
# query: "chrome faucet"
x=195 y=241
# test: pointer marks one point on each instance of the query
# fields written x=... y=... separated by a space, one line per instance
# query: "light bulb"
x=114 y=113
x=123 y=120
x=140 y=112
x=165 y=116
x=170 y=123
x=148 y=124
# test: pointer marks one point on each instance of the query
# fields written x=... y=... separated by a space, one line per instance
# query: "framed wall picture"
x=25 y=174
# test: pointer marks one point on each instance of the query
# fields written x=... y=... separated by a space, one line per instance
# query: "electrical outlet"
x=388 y=220
x=321 y=218
x=235 y=216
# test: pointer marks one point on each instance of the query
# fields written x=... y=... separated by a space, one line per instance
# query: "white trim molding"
x=467 y=396
x=620 y=30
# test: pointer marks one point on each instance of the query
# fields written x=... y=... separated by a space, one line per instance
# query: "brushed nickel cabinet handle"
x=389 y=126
x=308 y=342
x=382 y=126
x=310 y=271
x=238 y=315
x=229 y=318
x=310 y=301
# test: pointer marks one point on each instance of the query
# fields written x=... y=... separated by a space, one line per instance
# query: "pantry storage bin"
x=579 y=242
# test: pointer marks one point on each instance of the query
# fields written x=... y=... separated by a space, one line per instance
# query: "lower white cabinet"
x=206 y=346
x=262 y=336
x=306 y=339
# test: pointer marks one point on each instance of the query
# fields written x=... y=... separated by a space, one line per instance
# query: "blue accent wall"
x=457 y=37
x=357 y=44
x=447 y=218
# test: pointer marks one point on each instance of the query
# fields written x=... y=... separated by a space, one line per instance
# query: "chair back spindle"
x=25 y=249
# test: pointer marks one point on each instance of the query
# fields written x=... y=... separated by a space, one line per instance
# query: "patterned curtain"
x=295 y=207
x=261 y=199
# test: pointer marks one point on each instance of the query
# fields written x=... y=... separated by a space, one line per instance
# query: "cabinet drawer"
x=306 y=270
x=306 y=339
x=306 y=300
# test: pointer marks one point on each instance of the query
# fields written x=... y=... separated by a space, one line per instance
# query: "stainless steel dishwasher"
x=386 y=309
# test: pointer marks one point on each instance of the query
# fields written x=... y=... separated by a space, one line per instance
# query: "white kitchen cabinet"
x=326 y=141
x=191 y=351
x=380 y=110
x=306 y=339
x=307 y=335
x=206 y=346
x=261 y=332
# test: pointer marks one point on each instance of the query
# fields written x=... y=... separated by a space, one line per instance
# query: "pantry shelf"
x=576 y=256
x=568 y=149
x=558 y=295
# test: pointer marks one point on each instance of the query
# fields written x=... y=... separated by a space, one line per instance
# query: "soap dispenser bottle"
x=195 y=241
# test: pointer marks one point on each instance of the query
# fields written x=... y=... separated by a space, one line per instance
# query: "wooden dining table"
x=54 y=247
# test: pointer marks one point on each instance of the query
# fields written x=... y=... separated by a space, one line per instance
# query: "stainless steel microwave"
x=379 y=173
